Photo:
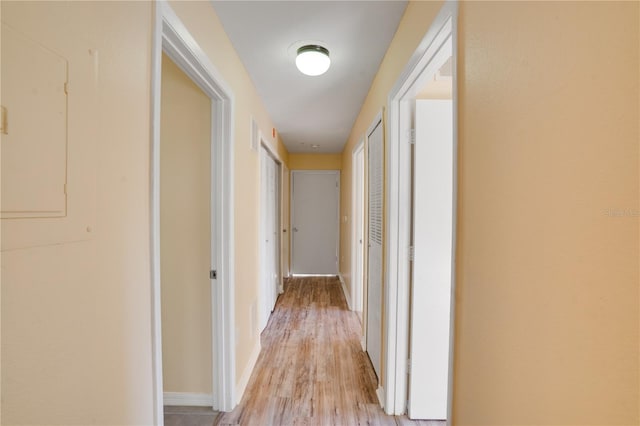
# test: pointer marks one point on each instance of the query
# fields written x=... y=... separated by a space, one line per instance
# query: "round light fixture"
x=313 y=60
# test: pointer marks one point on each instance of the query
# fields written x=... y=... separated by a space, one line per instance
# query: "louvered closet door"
x=374 y=287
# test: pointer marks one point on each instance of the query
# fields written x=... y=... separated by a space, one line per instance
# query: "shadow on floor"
x=189 y=416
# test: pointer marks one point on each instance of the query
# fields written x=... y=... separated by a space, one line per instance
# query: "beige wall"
x=185 y=229
x=548 y=257
x=547 y=294
x=315 y=161
x=76 y=346
x=205 y=27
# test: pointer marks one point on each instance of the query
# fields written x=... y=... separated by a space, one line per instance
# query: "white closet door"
x=431 y=286
x=374 y=287
x=269 y=245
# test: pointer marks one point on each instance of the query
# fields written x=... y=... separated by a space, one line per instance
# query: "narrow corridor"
x=312 y=370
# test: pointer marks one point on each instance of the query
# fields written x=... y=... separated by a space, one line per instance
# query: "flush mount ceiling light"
x=313 y=60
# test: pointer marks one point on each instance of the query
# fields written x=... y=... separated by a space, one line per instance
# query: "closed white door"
x=432 y=266
x=374 y=282
x=269 y=235
x=315 y=203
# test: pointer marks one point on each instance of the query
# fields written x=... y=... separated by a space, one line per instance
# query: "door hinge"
x=411 y=136
x=66 y=88
x=213 y=274
x=412 y=253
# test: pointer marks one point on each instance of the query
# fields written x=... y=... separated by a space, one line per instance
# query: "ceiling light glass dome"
x=313 y=60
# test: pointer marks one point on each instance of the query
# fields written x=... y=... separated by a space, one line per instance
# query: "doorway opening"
x=186 y=239
x=172 y=39
x=411 y=224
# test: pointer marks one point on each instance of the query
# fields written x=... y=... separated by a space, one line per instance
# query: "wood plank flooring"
x=312 y=370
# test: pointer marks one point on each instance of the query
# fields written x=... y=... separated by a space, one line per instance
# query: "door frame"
x=172 y=37
x=377 y=121
x=281 y=225
x=292 y=174
x=280 y=287
x=357 y=292
x=398 y=208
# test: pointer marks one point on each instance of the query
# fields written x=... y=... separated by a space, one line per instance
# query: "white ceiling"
x=311 y=110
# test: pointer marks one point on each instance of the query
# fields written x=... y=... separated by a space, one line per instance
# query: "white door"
x=432 y=266
x=374 y=282
x=357 y=265
x=269 y=235
x=315 y=203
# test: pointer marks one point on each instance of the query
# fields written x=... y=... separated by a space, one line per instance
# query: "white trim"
x=398 y=215
x=173 y=38
x=454 y=235
x=254 y=141
x=263 y=297
x=156 y=301
x=347 y=295
x=188 y=399
x=380 y=395
x=357 y=293
x=262 y=142
x=241 y=386
x=375 y=123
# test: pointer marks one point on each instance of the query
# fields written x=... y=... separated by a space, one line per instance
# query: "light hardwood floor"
x=312 y=370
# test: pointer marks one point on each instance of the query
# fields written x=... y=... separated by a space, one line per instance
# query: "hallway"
x=311 y=369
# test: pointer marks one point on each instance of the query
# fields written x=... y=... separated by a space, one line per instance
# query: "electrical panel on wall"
x=49 y=131
x=34 y=128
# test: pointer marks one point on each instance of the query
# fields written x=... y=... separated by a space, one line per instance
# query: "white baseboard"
x=188 y=399
x=241 y=386
x=347 y=295
x=380 y=394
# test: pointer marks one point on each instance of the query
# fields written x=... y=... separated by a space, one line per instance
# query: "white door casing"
x=269 y=235
x=358 y=234
x=172 y=37
x=374 y=275
x=315 y=224
x=432 y=240
x=419 y=69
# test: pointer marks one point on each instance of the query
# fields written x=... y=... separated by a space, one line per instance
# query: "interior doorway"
x=315 y=224
x=432 y=242
x=173 y=39
x=421 y=212
x=186 y=239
